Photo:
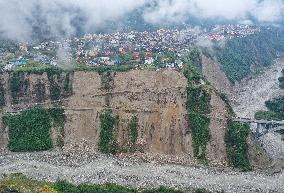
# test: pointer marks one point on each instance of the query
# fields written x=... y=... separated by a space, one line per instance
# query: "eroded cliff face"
x=156 y=98
x=216 y=76
x=29 y=90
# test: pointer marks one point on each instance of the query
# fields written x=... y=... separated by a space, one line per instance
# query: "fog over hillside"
x=23 y=20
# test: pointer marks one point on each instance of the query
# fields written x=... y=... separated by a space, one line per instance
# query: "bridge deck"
x=244 y=120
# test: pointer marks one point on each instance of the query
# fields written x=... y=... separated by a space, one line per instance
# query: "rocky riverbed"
x=50 y=166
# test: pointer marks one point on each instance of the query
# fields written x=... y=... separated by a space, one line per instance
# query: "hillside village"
x=156 y=49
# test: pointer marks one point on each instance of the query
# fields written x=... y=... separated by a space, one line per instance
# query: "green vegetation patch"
x=55 y=91
x=15 y=86
x=236 y=145
x=19 y=84
x=103 y=69
x=133 y=125
x=68 y=87
x=39 y=70
x=107 y=141
x=276 y=105
x=202 y=191
x=198 y=100
x=269 y=115
x=30 y=130
x=65 y=187
x=2 y=95
x=199 y=125
x=21 y=183
x=58 y=121
x=239 y=54
x=198 y=105
x=39 y=91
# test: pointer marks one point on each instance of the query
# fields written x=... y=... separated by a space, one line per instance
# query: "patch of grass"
x=19 y=85
x=199 y=125
x=58 y=121
x=68 y=84
x=269 y=115
x=239 y=54
x=30 y=130
x=202 y=191
x=198 y=100
x=65 y=187
x=107 y=142
x=133 y=125
x=39 y=90
x=15 y=86
x=198 y=106
x=22 y=184
x=39 y=70
x=2 y=96
x=103 y=69
x=55 y=91
x=236 y=144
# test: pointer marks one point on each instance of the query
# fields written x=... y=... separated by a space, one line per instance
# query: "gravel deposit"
x=50 y=166
x=251 y=93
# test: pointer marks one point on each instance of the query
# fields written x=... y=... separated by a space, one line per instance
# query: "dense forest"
x=240 y=57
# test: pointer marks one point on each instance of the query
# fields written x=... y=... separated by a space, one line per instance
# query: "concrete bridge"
x=263 y=126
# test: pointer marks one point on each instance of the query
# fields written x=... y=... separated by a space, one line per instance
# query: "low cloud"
x=241 y=10
x=23 y=19
x=20 y=20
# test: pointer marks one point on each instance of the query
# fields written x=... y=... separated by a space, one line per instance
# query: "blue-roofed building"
x=19 y=62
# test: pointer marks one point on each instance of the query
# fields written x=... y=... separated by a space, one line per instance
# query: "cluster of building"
x=159 y=48
x=232 y=31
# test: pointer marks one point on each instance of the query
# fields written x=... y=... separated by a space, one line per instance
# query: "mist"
x=238 y=10
x=22 y=20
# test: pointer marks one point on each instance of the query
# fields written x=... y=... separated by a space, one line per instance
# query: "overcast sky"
x=178 y=10
x=20 y=17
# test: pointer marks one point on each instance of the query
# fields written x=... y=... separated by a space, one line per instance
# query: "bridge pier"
x=260 y=129
x=262 y=126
